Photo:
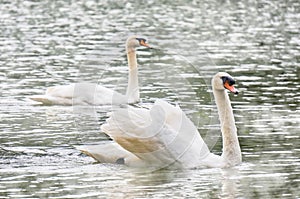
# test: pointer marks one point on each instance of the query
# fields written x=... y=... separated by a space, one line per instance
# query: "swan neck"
x=132 y=92
x=131 y=58
x=231 y=149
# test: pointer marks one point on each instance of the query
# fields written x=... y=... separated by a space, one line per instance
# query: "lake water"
x=51 y=43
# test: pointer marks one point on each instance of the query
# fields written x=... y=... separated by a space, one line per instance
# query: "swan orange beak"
x=231 y=88
x=143 y=43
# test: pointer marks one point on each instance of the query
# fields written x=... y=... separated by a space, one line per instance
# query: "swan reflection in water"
x=191 y=183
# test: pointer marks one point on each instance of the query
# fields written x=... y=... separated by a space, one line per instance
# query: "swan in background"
x=163 y=135
x=93 y=94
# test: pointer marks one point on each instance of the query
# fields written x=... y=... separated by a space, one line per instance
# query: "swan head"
x=135 y=41
x=222 y=81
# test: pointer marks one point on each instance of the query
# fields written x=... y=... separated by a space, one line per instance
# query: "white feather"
x=160 y=136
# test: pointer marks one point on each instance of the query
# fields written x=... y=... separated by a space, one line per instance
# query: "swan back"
x=161 y=136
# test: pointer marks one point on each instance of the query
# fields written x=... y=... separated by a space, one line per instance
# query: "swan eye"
x=141 y=40
x=229 y=80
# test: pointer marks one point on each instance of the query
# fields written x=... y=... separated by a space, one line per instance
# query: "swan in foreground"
x=93 y=94
x=164 y=136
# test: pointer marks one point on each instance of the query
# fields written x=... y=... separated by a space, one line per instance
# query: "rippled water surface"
x=59 y=42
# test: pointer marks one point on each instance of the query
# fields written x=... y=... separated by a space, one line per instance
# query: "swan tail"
x=42 y=99
x=110 y=153
x=49 y=100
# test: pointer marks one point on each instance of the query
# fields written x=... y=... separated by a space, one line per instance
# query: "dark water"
x=59 y=42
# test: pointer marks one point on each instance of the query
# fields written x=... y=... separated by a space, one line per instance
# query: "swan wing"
x=80 y=94
x=62 y=91
x=59 y=95
x=162 y=135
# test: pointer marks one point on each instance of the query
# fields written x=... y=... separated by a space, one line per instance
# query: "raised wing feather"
x=160 y=136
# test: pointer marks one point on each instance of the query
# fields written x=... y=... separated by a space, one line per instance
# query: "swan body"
x=164 y=136
x=93 y=94
x=80 y=94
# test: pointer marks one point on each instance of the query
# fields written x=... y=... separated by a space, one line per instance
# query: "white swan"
x=164 y=136
x=93 y=94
